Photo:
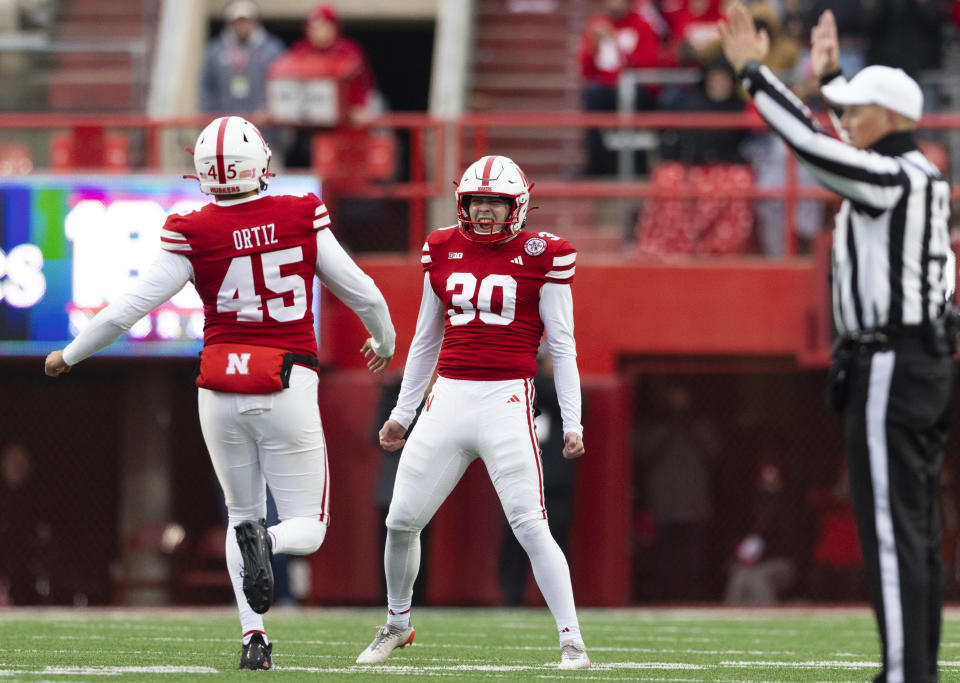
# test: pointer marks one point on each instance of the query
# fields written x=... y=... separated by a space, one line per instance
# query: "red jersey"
x=491 y=294
x=253 y=266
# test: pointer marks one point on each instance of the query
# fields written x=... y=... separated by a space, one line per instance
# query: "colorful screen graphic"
x=69 y=245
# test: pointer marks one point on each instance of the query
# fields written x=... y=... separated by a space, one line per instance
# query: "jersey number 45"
x=238 y=294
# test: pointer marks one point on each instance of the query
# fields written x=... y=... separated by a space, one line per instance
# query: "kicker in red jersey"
x=492 y=298
x=253 y=265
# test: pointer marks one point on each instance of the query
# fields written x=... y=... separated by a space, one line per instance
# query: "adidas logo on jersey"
x=513 y=399
x=518 y=261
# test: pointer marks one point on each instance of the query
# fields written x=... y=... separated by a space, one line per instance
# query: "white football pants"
x=463 y=420
x=274 y=440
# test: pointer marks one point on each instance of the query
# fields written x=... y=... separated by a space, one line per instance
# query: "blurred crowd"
x=317 y=88
x=671 y=51
x=638 y=55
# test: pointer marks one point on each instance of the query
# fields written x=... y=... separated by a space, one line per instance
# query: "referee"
x=893 y=282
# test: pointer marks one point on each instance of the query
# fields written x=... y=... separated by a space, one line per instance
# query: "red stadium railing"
x=427 y=160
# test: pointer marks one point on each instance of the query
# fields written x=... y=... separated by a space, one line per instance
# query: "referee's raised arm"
x=851 y=170
x=893 y=280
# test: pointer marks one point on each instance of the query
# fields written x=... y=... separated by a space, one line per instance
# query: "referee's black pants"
x=895 y=426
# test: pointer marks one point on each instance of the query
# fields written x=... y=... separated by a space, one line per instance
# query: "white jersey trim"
x=565 y=274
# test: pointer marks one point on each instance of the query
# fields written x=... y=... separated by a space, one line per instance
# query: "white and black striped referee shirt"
x=893 y=266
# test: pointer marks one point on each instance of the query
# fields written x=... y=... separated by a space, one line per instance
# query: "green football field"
x=170 y=644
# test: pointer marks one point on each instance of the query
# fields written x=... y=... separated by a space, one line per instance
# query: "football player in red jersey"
x=252 y=258
x=490 y=291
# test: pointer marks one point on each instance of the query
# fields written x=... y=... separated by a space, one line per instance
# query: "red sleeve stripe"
x=567 y=260
x=564 y=274
x=321 y=222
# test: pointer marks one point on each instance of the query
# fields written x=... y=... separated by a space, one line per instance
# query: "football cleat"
x=256 y=654
x=257 y=564
x=574 y=656
x=388 y=639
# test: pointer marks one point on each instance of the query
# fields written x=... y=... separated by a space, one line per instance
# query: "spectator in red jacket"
x=325 y=53
x=617 y=39
x=348 y=62
x=693 y=27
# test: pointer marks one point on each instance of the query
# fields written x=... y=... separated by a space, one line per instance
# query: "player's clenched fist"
x=55 y=365
x=391 y=436
x=572 y=446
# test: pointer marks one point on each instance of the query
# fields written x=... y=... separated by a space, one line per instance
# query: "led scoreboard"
x=69 y=245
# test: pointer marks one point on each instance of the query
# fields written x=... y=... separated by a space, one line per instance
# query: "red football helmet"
x=497 y=176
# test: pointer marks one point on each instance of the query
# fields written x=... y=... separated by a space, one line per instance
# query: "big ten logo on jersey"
x=260 y=235
x=22 y=283
x=465 y=307
x=115 y=241
x=237 y=364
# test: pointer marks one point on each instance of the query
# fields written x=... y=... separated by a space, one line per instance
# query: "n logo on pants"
x=237 y=363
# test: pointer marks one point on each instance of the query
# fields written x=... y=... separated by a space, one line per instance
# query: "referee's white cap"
x=883 y=86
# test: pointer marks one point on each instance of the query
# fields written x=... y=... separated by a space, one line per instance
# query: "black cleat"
x=256 y=654
x=257 y=564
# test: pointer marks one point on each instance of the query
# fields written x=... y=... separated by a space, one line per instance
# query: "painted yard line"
x=405 y=669
x=592 y=677
x=634 y=677
x=816 y=665
x=625 y=613
x=538 y=648
x=108 y=670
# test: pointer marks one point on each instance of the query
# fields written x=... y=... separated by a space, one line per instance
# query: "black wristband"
x=827 y=77
x=749 y=72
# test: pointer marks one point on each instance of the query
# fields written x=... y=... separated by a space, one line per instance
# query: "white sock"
x=298 y=535
x=552 y=574
x=401 y=563
x=249 y=620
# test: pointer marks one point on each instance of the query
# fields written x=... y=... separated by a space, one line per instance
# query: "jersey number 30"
x=238 y=295
x=464 y=286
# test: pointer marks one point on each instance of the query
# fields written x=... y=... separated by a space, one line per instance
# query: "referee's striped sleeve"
x=860 y=175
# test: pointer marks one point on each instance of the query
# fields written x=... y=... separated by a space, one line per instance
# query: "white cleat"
x=573 y=656
x=388 y=639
